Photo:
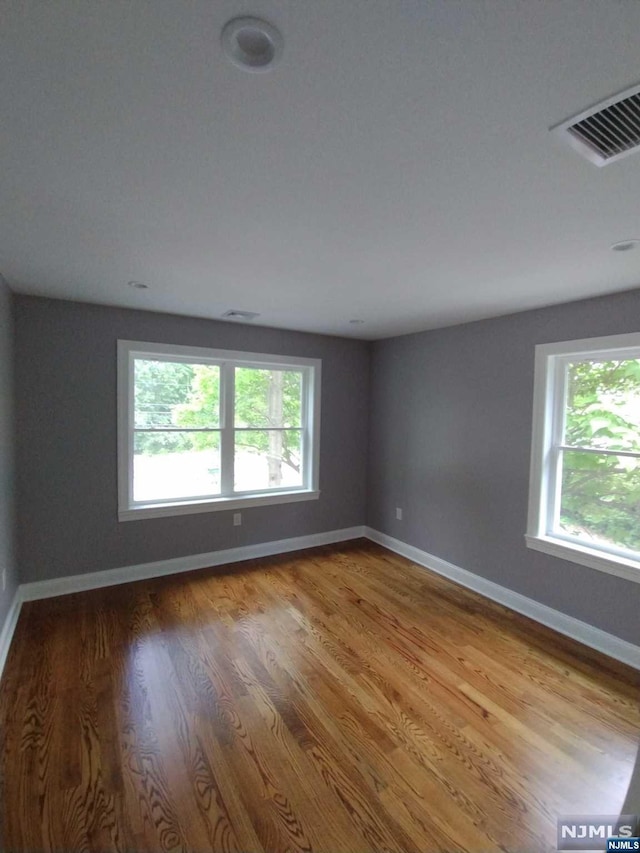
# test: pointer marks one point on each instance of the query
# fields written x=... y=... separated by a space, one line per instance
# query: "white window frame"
x=549 y=402
x=227 y=360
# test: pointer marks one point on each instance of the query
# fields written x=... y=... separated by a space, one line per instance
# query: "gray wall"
x=66 y=440
x=450 y=439
x=450 y=430
x=7 y=551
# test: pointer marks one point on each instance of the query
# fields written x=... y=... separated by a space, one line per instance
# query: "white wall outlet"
x=4 y=579
x=399 y=513
x=237 y=519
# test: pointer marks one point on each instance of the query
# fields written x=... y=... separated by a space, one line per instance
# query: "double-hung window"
x=202 y=429
x=584 y=502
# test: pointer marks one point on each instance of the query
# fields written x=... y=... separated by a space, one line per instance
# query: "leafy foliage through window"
x=216 y=427
x=585 y=486
x=600 y=488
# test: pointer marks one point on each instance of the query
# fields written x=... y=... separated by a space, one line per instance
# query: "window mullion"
x=305 y=440
x=158 y=430
x=555 y=454
x=555 y=489
x=227 y=440
x=131 y=406
x=601 y=451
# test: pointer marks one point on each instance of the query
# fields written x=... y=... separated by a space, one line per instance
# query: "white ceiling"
x=396 y=166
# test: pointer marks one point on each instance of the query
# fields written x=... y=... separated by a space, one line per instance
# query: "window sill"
x=216 y=505
x=594 y=559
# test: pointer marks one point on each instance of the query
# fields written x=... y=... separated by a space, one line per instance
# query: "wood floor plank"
x=330 y=701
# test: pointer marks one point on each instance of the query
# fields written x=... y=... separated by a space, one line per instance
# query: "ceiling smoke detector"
x=252 y=44
x=243 y=316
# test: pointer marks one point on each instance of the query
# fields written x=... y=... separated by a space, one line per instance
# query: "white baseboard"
x=586 y=634
x=10 y=622
x=126 y=574
x=112 y=577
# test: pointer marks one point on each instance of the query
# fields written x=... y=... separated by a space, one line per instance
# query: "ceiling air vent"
x=607 y=131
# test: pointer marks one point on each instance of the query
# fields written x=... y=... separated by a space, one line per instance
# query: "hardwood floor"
x=334 y=700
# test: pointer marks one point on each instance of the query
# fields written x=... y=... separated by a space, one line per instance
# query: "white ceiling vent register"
x=607 y=131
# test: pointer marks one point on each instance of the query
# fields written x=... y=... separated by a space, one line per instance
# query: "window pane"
x=170 y=394
x=600 y=499
x=268 y=398
x=267 y=459
x=175 y=465
x=603 y=404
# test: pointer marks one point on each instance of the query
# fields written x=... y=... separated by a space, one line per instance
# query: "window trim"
x=127 y=351
x=548 y=414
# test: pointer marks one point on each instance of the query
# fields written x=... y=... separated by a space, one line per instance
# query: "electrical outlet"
x=399 y=513
x=4 y=579
x=237 y=519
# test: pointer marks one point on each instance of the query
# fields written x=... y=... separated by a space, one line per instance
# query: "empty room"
x=319 y=426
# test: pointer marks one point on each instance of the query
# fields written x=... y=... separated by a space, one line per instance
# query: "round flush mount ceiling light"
x=625 y=245
x=252 y=44
x=356 y=322
x=138 y=285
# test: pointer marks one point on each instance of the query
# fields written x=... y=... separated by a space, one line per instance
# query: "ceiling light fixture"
x=138 y=285
x=252 y=44
x=356 y=322
x=625 y=245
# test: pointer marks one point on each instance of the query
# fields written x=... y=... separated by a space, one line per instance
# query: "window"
x=584 y=502
x=202 y=429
